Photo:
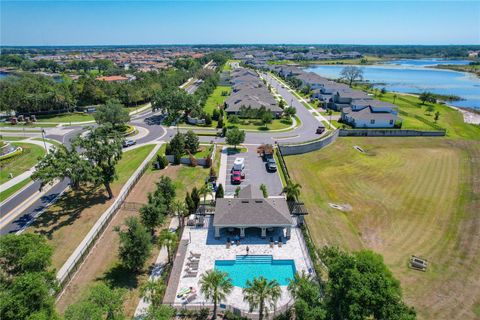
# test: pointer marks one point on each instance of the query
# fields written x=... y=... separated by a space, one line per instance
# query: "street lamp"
x=43 y=138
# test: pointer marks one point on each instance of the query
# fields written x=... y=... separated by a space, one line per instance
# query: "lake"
x=415 y=76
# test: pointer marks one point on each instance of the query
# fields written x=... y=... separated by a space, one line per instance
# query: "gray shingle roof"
x=251 y=212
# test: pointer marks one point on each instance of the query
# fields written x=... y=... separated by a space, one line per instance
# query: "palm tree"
x=152 y=291
x=180 y=211
x=215 y=285
x=168 y=240
x=262 y=294
x=292 y=190
x=206 y=189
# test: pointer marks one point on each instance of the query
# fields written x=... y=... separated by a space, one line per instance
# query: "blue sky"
x=218 y=22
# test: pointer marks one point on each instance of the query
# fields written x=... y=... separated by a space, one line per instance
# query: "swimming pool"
x=245 y=268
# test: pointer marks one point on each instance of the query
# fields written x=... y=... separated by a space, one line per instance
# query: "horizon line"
x=227 y=44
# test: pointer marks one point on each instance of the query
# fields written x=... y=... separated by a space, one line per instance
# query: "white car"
x=238 y=164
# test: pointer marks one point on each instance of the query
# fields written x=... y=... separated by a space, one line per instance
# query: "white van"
x=238 y=164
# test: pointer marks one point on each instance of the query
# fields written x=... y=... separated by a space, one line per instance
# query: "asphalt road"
x=151 y=121
x=255 y=174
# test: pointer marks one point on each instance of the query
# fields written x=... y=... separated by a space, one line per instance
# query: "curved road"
x=150 y=121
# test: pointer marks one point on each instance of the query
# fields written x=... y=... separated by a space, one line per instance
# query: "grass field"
x=67 y=117
x=256 y=124
x=103 y=264
x=67 y=222
x=27 y=126
x=216 y=98
x=408 y=196
x=22 y=162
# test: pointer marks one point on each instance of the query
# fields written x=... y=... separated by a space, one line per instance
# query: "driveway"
x=255 y=173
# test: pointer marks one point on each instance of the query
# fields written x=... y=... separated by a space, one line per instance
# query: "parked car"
x=238 y=164
x=271 y=165
x=320 y=129
x=236 y=177
x=128 y=143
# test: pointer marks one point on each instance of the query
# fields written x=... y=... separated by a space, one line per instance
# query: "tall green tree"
x=235 y=137
x=189 y=203
x=290 y=111
x=292 y=190
x=108 y=299
x=262 y=294
x=152 y=292
x=103 y=150
x=102 y=302
x=168 y=240
x=152 y=215
x=161 y=312
x=266 y=118
x=181 y=211
x=165 y=192
x=351 y=74
x=61 y=163
x=360 y=286
x=27 y=282
x=174 y=102
x=215 y=285
x=220 y=193
x=308 y=297
x=195 y=197
x=112 y=113
x=191 y=141
x=135 y=245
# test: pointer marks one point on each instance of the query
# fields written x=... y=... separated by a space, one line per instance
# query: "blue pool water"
x=245 y=268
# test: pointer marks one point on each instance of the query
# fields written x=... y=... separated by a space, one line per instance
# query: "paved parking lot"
x=255 y=173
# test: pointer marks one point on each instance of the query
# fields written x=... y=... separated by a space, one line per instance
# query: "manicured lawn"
x=29 y=126
x=216 y=98
x=256 y=124
x=67 y=117
x=408 y=196
x=21 y=163
x=203 y=151
x=7 y=193
x=66 y=223
x=7 y=138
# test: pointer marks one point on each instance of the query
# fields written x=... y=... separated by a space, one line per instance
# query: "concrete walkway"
x=157 y=270
x=222 y=175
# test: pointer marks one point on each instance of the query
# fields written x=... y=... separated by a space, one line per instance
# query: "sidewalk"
x=157 y=271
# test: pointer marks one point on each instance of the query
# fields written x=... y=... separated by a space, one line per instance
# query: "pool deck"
x=201 y=241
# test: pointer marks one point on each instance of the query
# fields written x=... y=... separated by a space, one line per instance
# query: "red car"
x=237 y=177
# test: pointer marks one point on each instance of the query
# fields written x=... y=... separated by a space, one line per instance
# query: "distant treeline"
x=32 y=93
x=399 y=50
